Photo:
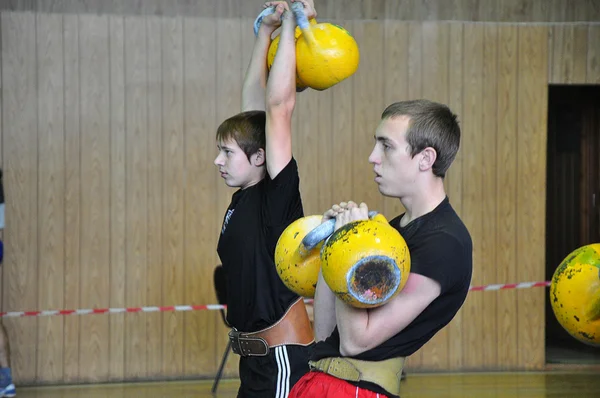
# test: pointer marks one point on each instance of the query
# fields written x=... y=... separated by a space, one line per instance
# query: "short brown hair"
x=430 y=125
x=247 y=129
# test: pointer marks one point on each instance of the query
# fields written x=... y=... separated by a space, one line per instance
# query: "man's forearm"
x=352 y=325
x=324 y=310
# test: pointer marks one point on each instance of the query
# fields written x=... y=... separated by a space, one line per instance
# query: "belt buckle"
x=234 y=339
x=314 y=366
x=246 y=346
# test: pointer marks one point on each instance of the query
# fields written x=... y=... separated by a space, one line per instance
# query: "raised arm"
x=255 y=80
x=281 y=98
x=281 y=94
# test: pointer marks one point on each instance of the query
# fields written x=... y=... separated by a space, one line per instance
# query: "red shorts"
x=322 y=385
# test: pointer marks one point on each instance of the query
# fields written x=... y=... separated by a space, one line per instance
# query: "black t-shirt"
x=256 y=217
x=440 y=248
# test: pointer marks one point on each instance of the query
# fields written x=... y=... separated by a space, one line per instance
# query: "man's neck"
x=423 y=202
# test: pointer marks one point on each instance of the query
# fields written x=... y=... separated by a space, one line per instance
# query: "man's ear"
x=258 y=158
x=428 y=157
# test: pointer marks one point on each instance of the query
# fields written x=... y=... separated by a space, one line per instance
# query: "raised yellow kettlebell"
x=332 y=57
x=575 y=294
x=326 y=53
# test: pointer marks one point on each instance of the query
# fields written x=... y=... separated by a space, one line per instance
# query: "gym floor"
x=580 y=384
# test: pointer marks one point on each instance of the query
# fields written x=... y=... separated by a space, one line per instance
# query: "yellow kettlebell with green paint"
x=575 y=294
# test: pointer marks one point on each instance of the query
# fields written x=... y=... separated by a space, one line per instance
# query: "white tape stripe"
x=213 y=307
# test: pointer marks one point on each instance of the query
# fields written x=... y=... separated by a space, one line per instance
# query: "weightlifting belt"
x=293 y=328
x=385 y=374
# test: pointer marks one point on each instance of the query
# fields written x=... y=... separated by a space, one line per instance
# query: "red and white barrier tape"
x=523 y=285
x=213 y=307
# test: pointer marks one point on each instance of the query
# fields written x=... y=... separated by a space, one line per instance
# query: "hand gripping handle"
x=322 y=232
x=258 y=20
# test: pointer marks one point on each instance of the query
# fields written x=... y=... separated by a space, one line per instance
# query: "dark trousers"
x=273 y=375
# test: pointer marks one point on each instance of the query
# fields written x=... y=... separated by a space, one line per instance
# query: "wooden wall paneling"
x=95 y=195
x=531 y=143
x=200 y=180
x=305 y=141
x=581 y=10
x=407 y=10
x=415 y=90
x=374 y=9
x=506 y=180
x=156 y=248
x=569 y=50
x=228 y=99
x=120 y=336
x=228 y=9
x=395 y=84
x=368 y=105
x=473 y=212
x=136 y=192
x=454 y=183
x=343 y=9
x=73 y=206
x=343 y=97
x=20 y=265
x=173 y=344
x=436 y=50
x=489 y=186
x=50 y=185
x=593 y=55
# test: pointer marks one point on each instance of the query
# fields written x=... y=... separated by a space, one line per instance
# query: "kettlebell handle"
x=259 y=18
x=322 y=232
x=297 y=10
x=301 y=20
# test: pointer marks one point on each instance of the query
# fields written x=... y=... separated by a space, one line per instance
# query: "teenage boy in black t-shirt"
x=271 y=330
x=416 y=142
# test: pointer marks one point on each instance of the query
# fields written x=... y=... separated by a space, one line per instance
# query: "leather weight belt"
x=386 y=374
x=293 y=328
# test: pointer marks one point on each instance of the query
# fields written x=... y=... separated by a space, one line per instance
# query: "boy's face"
x=395 y=169
x=234 y=166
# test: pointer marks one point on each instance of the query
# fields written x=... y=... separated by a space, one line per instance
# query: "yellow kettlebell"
x=575 y=294
x=366 y=263
x=331 y=57
x=298 y=266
